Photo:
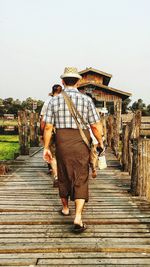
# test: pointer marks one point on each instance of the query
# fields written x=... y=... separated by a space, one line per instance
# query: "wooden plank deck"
x=33 y=233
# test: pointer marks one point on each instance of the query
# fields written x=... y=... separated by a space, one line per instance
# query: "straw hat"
x=70 y=72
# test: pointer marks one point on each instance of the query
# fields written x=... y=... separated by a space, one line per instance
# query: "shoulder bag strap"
x=73 y=112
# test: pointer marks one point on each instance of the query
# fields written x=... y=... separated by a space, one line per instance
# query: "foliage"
x=137 y=105
x=140 y=105
x=8 y=146
x=125 y=105
x=11 y=106
x=9 y=138
x=8 y=150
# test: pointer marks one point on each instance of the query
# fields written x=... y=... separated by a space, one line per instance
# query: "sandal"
x=55 y=183
x=78 y=228
x=62 y=213
x=94 y=174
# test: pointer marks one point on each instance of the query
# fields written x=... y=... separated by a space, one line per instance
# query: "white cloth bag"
x=102 y=162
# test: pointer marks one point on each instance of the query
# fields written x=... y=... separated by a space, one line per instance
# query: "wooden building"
x=96 y=83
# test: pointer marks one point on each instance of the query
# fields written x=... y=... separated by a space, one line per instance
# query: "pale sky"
x=38 y=38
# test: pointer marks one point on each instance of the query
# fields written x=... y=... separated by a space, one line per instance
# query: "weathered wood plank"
x=75 y=255
x=74 y=247
x=66 y=234
x=49 y=215
x=92 y=262
x=18 y=262
x=87 y=265
x=55 y=226
x=77 y=265
x=74 y=239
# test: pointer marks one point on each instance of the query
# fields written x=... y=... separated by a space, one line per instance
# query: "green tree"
x=1 y=107
x=125 y=105
x=8 y=102
x=148 y=110
x=39 y=106
x=28 y=104
x=140 y=105
x=16 y=105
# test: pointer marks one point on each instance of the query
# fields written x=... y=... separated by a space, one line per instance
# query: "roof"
x=106 y=76
x=123 y=94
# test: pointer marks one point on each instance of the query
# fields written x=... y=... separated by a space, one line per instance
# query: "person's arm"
x=95 y=123
x=47 y=156
x=42 y=125
x=49 y=121
x=42 y=122
x=98 y=133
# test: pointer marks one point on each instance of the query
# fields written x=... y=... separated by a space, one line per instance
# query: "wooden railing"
x=133 y=150
x=140 y=176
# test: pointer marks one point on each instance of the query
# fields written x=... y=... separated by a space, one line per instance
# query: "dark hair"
x=93 y=98
x=57 y=88
x=89 y=95
x=70 y=80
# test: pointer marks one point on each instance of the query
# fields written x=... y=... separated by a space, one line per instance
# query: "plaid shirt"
x=59 y=115
x=45 y=106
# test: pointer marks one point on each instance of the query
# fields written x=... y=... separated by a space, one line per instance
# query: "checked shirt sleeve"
x=93 y=116
x=49 y=116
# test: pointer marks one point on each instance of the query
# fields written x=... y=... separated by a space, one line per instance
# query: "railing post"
x=144 y=169
x=134 y=174
x=23 y=132
x=110 y=121
x=125 y=147
x=135 y=137
x=34 y=138
x=117 y=127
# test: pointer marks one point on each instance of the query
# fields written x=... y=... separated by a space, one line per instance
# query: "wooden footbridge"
x=33 y=233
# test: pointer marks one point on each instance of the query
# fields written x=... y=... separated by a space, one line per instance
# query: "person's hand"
x=100 y=149
x=47 y=155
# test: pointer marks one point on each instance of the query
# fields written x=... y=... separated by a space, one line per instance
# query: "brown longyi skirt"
x=73 y=164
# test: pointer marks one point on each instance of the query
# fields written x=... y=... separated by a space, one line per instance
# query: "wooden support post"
x=136 y=123
x=117 y=127
x=3 y=169
x=103 y=121
x=135 y=136
x=110 y=121
x=140 y=182
x=144 y=169
x=130 y=156
x=125 y=147
x=23 y=132
x=135 y=162
x=34 y=138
